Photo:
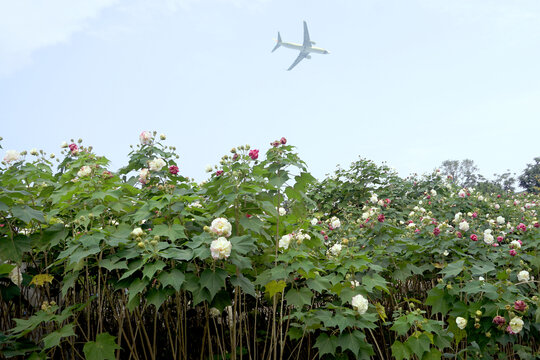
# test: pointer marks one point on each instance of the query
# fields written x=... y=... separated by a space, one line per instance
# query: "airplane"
x=305 y=49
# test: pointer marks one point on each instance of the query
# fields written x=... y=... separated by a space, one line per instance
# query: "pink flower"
x=520 y=305
x=499 y=320
x=522 y=227
x=475 y=215
x=500 y=238
x=173 y=169
x=275 y=143
x=474 y=237
x=436 y=231
x=513 y=252
x=417 y=231
x=459 y=234
x=381 y=217
x=283 y=141
x=254 y=154
x=536 y=225
x=73 y=148
x=509 y=330
x=219 y=172
x=145 y=138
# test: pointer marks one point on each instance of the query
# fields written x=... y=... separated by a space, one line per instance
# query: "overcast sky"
x=412 y=83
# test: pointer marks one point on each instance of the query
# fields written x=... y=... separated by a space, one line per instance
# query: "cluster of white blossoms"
x=84 y=171
x=360 y=304
x=461 y=322
x=156 y=164
x=300 y=236
x=220 y=248
x=282 y=211
x=12 y=155
x=516 y=324
x=488 y=238
x=285 y=241
x=500 y=220
x=15 y=275
x=334 y=222
x=146 y=138
x=221 y=227
x=523 y=275
x=374 y=199
x=335 y=250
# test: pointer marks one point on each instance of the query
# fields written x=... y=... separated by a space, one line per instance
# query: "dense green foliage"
x=261 y=261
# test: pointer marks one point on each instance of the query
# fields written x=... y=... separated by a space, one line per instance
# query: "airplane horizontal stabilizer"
x=278 y=42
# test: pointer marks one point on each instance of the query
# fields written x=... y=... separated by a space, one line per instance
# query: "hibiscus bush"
x=260 y=261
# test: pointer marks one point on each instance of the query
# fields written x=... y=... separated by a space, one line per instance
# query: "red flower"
x=275 y=143
x=381 y=217
x=522 y=227
x=254 y=154
x=459 y=234
x=248 y=216
x=536 y=225
x=219 y=172
x=173 y=169
x=499 y=320
x=500 y=238
x=283 y=141
x=513 y=252
x=520 y=305
x=73 y=148
x=474 y=237
x=475 y=215
x=436 y=231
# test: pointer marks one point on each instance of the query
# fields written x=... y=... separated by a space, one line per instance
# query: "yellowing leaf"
x=41 y=279
x=381 y=311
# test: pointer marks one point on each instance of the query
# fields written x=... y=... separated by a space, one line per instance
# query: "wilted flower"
x=12 y=155
x=73 y=148
x=436 y=231
x=512 y=252
x=145 y=138
x=157 y=164
x=143 y=176
x=520 y=305
x=15 y=276
x=360 y=304
x=221 y=227
x=283 y=141
x=220 y=248
x=84 y=171
x=523 y=275
x=461 y=322
x=499 y=320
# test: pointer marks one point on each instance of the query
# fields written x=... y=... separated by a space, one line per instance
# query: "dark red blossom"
x=520 y=305
x=219 y=172
x=381 y=217
x=254 y=154
x=474 y=237
x=283 y=141
x=73 y=148
x=436 y=231
x=499 y=320
x=173 y=169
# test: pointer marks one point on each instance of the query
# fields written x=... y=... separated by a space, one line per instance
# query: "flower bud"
x=478 y=313
x=162 y=137
x=140 y=244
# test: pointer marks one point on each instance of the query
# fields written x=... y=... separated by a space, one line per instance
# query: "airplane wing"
x=298 y=59
x=307 y=41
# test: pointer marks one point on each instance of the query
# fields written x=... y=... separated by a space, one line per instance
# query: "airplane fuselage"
x=310 y=49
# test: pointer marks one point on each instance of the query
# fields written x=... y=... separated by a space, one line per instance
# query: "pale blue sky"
x=411 y=83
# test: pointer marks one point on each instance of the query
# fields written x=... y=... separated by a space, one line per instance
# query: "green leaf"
x=433 y=354
x=326 y=345
x=137 y=287
x=400 y=351
x=418 y=345
x=318 y=284
x=299 y=298
x=178 y=254
x=53 y=339
x=274 y=287
x=27 y=214
x=173 y=232
x=213 y=281
x=453 y=269
x=157 y=297
x=13 y=250
x=52 y=236
x=244 y=283
x=349 y=341
x=101 y=349
x=150 y=269
x=243 y=244
x=174 y=278
x=440 y=301
x=374 y=281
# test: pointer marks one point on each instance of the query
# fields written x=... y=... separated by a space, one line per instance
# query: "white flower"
x=34 y=152
x=16 y=275
x=523 y=275
x=314 y=221
x=214 y=312
x=462 y=193
x=282 y=211
x=411 y=225
x=516 y=324
x=196 y=204
x=336 y=249
x=157 y=164
x=221 y=226
x=162 y=136
x=145 y=138
x=514 y=244
x=481 y=198
x=12 y=155
x=137 y=232
x=500 y=220
x=457 y=216
x=360 y=304
x=433 y=192
x=220 y=248
x=488 y=238
x=64 y=144
x=84 y=171
x=528 y=206
x=497 y=206
x=208 y=168
x=464 y=226
x=355 y=283
x=461 y=322
x=285 y=241
x=143 y=176
x=334 y=221
x=481 y=278
x=374 y=199
x=411 y=214
x=380 y=203
x=445 y=253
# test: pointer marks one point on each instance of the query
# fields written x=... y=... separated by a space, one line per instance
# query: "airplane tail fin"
x=278 y=42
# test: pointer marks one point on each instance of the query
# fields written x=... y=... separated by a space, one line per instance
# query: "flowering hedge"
x=261 y=261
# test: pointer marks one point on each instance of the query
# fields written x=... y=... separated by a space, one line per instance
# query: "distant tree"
x=530 y=179
x=463 y=173
x=501 y=183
